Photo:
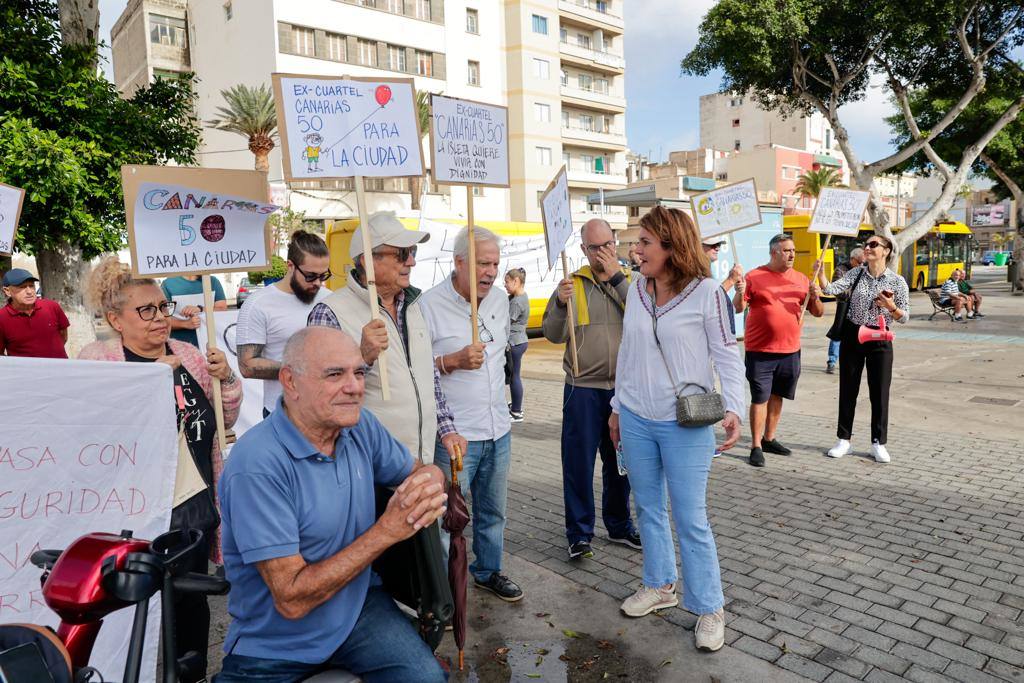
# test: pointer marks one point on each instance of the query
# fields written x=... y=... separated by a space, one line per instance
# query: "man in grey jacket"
x=598 y=292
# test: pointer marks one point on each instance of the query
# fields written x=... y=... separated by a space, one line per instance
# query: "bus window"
x=953 y=248
x=922 y=251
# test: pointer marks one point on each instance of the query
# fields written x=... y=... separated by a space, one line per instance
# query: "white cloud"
x=865 y=122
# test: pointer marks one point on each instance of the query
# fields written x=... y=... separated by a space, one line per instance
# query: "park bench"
x=938 y=307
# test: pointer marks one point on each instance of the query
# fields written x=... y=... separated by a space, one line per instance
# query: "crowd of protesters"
x=292 y=516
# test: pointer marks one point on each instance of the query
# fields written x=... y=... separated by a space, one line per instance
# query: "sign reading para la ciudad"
x=194 y=221
x=555 y=211
x=468 y=142
x=726 y=209
x=11 y=199
x=341 y=127
x=839 y=211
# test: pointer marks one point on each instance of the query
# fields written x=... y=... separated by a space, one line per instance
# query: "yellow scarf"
x=580 y=297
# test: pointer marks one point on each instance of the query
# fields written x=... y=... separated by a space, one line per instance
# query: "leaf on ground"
x=570 y=634
x=665 y=663
x=784 y=648
x=540 y=660
x=542 y=652
x=551 y=625
x=533 y=675
x=542 y=615
x=605 y=645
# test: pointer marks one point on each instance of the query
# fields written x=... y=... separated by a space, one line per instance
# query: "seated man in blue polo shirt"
x=300 y=531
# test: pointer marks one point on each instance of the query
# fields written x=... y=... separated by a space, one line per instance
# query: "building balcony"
x=590 y=12
x=579 y=176
x=608 y=62
x=610 y=139
x=582 y=97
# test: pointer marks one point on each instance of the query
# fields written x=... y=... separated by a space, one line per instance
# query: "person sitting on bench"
x=967 y=289
x=950 y=295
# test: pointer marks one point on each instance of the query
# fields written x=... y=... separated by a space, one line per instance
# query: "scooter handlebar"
x=201 y=583
x=45 y=559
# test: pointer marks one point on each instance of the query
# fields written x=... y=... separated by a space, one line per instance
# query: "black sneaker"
x=580 y=549
x=978 y=315
x=756 y=457
x=773 y=446
x=502 y=586
x=632 y=539
x=516 y=417
x=830 y=369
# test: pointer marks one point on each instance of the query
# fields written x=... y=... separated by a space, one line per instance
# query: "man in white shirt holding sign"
x=275 y=313
x=473 y=380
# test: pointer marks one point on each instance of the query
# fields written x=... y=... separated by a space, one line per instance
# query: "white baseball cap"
x=713 y=241
x=385 y=228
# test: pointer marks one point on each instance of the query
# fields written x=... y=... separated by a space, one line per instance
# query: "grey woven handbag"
x=693 y=410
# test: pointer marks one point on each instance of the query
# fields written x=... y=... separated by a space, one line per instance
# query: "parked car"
x=245 y=290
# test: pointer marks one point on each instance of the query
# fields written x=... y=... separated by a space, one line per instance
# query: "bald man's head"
x=596 y=237
x=323 y=378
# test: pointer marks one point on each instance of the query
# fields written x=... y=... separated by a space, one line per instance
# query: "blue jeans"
x=585 y=414
x=382 y=648
x=662 y=455
x=516 y=385
x=833 y=352
x=485 y=472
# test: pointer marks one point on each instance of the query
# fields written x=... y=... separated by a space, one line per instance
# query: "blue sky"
x=662 y=105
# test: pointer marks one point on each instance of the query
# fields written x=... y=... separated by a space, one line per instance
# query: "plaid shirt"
x=323 y=315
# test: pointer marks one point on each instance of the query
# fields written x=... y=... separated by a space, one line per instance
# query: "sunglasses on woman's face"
x=873 y=244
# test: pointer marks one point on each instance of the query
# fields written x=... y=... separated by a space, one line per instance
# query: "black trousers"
x=853 y=356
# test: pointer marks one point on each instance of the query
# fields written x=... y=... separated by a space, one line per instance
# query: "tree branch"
x=1016 y=190
x=915 y=132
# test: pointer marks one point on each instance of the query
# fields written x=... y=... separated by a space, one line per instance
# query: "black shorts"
x=772 y=374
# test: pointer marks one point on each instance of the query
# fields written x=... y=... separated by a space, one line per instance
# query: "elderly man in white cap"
x=413 y=380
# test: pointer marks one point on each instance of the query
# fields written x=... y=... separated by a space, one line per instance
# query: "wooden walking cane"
x=211 y=343
x=821 y=264
x=371 y=282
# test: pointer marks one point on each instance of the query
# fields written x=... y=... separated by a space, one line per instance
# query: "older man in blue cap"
x=30 y=325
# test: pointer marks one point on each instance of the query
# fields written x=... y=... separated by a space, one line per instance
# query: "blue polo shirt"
x=280 y=497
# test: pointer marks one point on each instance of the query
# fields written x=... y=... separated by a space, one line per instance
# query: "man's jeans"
x=663 y=456
x=833 y=352
x=382 y=648
x=485 y=473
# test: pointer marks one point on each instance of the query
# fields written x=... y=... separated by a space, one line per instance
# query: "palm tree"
x=811 y=183
x=423 y=116
x=251 y=114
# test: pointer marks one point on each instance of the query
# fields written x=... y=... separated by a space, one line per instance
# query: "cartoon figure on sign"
x=312 y=152
x=212 y=228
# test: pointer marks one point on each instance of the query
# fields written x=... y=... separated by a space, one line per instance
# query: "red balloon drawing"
x=212 y=228
x=383 y=94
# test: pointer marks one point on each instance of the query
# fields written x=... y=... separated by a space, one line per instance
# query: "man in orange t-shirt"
x=774 y=296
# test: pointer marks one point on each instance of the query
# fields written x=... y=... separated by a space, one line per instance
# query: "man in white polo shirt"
x=473 y=380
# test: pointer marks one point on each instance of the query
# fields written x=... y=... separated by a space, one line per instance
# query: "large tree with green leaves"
x=65 y=132
x=802 y=55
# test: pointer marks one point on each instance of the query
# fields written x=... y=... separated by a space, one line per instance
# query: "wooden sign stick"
x=211 y=343
x=371 y=282
x=571 y=320
x=814 y=278
x=473 y=314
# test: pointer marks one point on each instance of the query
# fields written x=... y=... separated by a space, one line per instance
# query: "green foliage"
x=278 y=268
x=423 y=111
x=65 y=132
x=250 y=112
x=811 y=183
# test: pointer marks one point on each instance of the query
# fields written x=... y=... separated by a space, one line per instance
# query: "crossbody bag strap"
x=657 y=342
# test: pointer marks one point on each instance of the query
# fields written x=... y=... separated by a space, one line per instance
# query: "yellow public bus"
x=926 y=263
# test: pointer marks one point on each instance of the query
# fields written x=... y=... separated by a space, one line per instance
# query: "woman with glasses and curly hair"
x=676 y=337
x=139 y=313
x=874 y=290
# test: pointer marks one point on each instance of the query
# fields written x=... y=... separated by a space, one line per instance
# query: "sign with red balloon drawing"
x=177 y=229
x=334 y=127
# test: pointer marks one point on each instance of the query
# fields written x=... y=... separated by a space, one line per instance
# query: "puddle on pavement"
x=577 y=658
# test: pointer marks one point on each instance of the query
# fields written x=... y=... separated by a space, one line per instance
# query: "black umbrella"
x=456 y=517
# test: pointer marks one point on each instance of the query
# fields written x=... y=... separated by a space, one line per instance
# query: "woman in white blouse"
x=676 y=324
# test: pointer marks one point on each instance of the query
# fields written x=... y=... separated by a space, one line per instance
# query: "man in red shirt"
x=30 y=326
x=774 y=296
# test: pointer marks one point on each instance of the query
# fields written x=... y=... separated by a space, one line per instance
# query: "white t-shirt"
x=269 y=318
x=476 y=397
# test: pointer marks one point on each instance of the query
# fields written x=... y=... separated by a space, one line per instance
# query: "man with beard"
x=272 y=315
x=598 y=291
x=775 y=294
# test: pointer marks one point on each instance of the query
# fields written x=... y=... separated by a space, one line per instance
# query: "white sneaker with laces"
x=841 y=448
x=646 y=600
x=710 y=631
x=880 y=453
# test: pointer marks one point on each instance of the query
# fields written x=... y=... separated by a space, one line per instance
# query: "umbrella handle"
x=456 y=464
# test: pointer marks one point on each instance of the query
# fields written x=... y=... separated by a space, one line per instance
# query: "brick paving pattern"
x=835 y=570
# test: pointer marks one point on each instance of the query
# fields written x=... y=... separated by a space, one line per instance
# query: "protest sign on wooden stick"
x=557 y=217
x=838 y=211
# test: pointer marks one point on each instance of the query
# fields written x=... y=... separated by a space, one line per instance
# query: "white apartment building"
x=556 y=64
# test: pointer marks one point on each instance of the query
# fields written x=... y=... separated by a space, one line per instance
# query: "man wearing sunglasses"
x=412 y=378
x=272 y=315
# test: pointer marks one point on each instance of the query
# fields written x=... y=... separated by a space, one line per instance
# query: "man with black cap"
x=30 y=326
x=400 y=328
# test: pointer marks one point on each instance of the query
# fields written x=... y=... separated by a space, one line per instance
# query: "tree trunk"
x=1017 y=193
x=79 y=22
x=263 y=161
x=62 y=274
x=415 y=191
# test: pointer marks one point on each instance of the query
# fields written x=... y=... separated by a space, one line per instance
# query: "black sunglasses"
x=875 y=244
x=313 y=277
x=402 y=254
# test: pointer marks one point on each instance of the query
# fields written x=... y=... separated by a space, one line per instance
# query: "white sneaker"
x=970 y=316
x=841 y=448
x=710 y=631
x=646 y=600
x=881 y=455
